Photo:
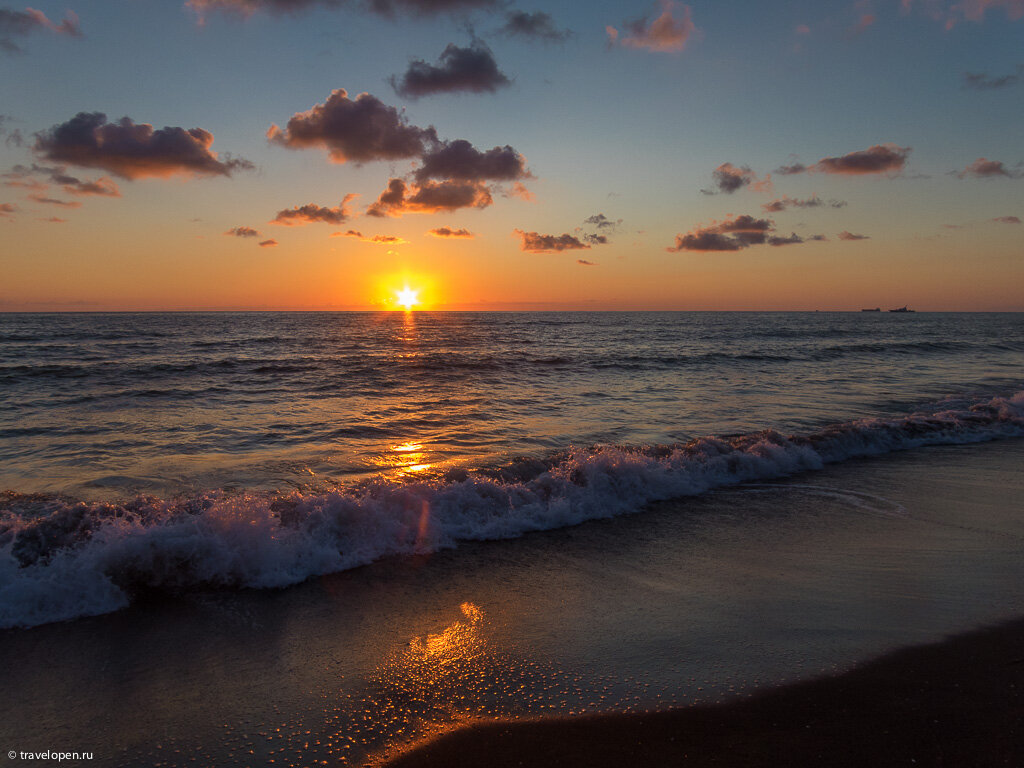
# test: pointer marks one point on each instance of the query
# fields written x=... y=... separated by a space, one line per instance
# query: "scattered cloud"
x=881 y=158
x=802 y=29
x=8 y=209
x=401 y=197
x=974 y=10
x=471 y=69
x=664 y=34
x=40 y=198
x=733 y=234
x=242 y=232
x=312 y=214
x=596 y=239
x=1006 y=220
x=29 y=177
x=777 y=206
x=12 y=136
x=601 y=221
x=389 y=8
x=267 y=243
x=461 y=160
x=534 y=242
x=18 y=24
x=844 y=235
x=533 y=26
x=792 y=169
x=984 y=82
x=865 y=22
x=729 y=178
x=55 y=220
x=585 y=263
x=361 y=130
x=134 y=151
x=988 y=169
x=349 y=233
x=453 y=233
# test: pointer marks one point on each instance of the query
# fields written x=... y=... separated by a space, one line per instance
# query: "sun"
x=407 y=298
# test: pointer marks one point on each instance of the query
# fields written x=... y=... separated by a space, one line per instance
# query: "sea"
x=295 y=539
x=166 y=452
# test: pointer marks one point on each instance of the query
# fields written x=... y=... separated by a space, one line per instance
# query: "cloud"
x=533 y=26
x=15 y=24
x=534 y=242
x=844 y=235
x=8 y=209
x=22 y=176
x=983 y=82
x=881 y=158
x=601 y=221
x=461 y=160
x=453 y=233
x=349 y=233
x=665 y=34
x=733 y=234
x=728 y=178
x=974 y=10
x=472 y=69
x=361 y=130
x=401 y=197
x=988 y=169
x=802 y=29
x=777 y=206
x=1006 y=220
x=790 y=170
x=242 y=232
x=55 y=220
x=866 y=21
x=389 y=8
x=312 y=214
x=267 y=243
x=39 y=198
x=134 y=151
x=585 y=263
x=596 y=239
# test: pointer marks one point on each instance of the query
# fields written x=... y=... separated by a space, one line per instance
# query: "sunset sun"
x=407 y=298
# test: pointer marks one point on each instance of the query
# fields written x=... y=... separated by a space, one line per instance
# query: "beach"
x=690 y=602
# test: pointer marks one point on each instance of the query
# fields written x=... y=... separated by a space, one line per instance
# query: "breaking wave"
x=61 y=559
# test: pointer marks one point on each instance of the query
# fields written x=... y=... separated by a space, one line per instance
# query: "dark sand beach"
x=955 y=703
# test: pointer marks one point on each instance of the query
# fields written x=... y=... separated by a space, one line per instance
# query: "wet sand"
x=958 y=703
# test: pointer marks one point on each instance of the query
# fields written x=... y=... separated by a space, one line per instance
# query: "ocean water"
x=142 y=453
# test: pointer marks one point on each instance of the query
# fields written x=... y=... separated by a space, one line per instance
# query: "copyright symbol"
x=12 y=754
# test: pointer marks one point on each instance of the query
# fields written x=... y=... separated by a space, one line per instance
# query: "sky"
x=507 y=155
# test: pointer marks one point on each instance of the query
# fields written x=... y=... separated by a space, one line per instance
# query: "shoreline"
x=958 y=702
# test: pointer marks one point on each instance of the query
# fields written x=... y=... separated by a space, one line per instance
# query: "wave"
x=61 y=559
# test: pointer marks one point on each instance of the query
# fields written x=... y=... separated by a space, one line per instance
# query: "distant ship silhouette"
x=901 y=309
x=876 y=309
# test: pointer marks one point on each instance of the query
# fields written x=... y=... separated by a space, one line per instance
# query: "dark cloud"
x=54 y=201
x=471 y=69
x=389 y=8
x=267 y=243
x=533 y=26
x=585 y=263
x=16 y=24
x=818 y=238
x=534 y=242
x=729 y=178
x=601 y=221
x=461 y=160
x=881 y=158
x=733 y=234
x=793 y=239
x=12 y=136
x=242 y=232
x=663 y=34
x=360 y=129
x=844 y=235
x=312 y=214
x=1007 y=220
x=349 y=233
x=26 y=176
x=134 y=151
x=449 y=232
x=401 y=197
x=987 y=169
x=596 y=239
x=983 y=82
x=789 y=170
x=777 y=206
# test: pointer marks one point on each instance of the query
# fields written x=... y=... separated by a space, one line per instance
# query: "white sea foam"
x=68 y=560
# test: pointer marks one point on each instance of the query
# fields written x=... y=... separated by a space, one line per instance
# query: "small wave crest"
x=61 y=558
